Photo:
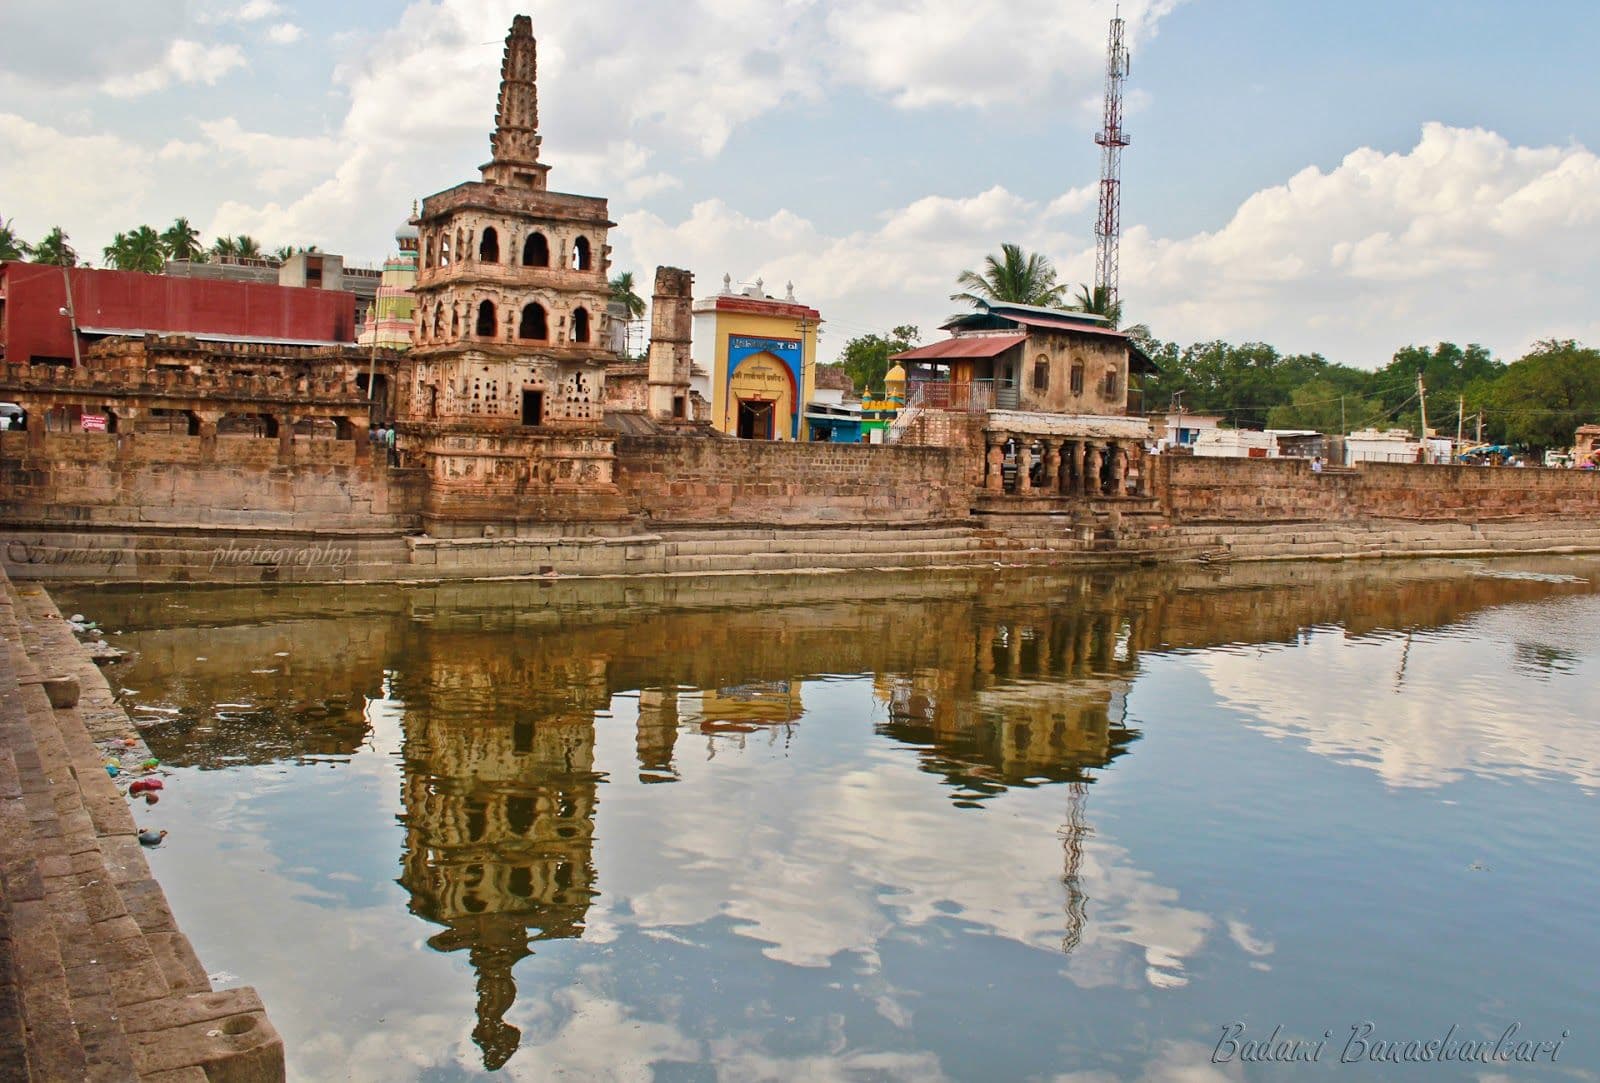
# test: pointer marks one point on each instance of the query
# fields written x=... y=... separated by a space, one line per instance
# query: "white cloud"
x=285 y=34
x=255 y=10
x=274 y=161
x=84 y=183
x=185 y=61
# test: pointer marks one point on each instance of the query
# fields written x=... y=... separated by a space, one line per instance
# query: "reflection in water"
x=991 y=685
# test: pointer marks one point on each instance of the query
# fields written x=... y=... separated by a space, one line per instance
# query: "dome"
x=895 y=375
x=406 y=232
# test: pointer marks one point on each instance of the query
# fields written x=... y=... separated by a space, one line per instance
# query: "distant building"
x=311 y=270
x=1180 y=429
x=1235 y=444
x=389 y=320
x=1586 y=446
x=761 y=354
x=38 y=324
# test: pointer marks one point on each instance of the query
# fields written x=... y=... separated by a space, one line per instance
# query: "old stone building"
x=501 y=404
x=1045 y=397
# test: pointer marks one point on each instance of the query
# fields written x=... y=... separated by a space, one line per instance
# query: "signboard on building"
x=94 y=422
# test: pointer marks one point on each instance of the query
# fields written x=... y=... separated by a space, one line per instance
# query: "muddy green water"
x=996 y=826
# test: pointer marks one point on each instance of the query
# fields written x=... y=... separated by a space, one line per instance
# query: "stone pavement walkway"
x=96 y=980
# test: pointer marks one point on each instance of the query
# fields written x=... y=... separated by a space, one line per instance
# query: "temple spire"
x=515 y=142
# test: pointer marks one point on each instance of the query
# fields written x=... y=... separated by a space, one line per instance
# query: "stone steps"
x=108 y=988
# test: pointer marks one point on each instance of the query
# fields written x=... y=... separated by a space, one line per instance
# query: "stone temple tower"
x=671 y=323
x=500 y=398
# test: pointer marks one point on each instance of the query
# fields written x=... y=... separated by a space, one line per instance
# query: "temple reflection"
x=987 y=683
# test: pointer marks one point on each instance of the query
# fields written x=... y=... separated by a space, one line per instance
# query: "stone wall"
x=1287 y=490
x=716 y=480
x=155 y=478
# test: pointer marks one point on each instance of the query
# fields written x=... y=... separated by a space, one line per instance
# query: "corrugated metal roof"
x=961 y=347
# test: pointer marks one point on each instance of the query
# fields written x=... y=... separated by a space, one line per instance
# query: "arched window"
x=1041 y=373
x=489 y=246
x=536 y=251
x=580 y=254
x=1077 y=378
x=444 y=251
x=1111 y=383
x=580 y=324
x=534 y=324
x=455 y=322
x=486 y=321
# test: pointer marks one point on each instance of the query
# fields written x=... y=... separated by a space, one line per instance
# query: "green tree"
x=1319 y=404
x=55 y=249
x=224 y=247
x=1097 y=301
x=181 y=240
x=1024 y=278
x=866 y=357
x=11 y=246
x=622 y=289
x=246 y=247
x=1542 y=398
x=140 y=250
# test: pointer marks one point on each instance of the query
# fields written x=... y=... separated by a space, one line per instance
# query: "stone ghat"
x=96 y=981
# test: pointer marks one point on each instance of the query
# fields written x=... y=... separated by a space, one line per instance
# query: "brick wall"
x=1266 y=490
x=150 y=478
x=676 y=480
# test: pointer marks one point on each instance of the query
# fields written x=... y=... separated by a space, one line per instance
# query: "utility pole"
x=1480 y=426
x=1422 y=405
x=71 y=311
x=1343 y=429
x=1461 y=423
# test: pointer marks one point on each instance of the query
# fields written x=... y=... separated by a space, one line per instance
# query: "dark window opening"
x=522 y=732
x=534 y=323
x=520 y=882
x=536 y=251
x=580 y=254
x=1077 y=379
x=486 y=320
x=489 y=246
x=532 y=414
x=580 y=325
x=1111 y=384
x=519 y=814
x=1041 y=375
x=679 y=407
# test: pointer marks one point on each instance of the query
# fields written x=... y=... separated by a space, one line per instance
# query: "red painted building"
x=104 y=303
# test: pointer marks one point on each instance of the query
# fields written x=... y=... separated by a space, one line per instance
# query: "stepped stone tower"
x=500 y=403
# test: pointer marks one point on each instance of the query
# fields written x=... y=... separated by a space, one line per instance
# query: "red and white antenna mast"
x=1112 y=138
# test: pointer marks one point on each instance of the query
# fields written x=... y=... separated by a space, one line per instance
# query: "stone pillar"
x=656 y=733
x=669 y=362
x=1024 y=466
x=205 y=423
x=1050 y=482
x=1118 y=466
x=994 y=479
x=285 y=439
x=1074 y=479
x=1091 y=471
x=361 y=433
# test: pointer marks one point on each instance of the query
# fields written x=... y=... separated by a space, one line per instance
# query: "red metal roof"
x=962 y=346
x=1064 y=323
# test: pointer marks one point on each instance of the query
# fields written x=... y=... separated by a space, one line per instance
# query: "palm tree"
x=282 y=253
x=245 y=247
x=1017 y=277
x=55 y=249
x=11 y=246
x=622 y=289
x=181 y=240
x=224 y=247
x=1098 y=302
x=140 y=250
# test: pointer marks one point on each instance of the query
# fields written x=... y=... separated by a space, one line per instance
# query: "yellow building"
x=761 y=354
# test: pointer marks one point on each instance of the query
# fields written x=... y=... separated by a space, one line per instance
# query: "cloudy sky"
x=1346 y=178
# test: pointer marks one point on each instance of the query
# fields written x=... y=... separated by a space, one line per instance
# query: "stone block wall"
x=149 y=478
x=715 y=480
x=1287 y=490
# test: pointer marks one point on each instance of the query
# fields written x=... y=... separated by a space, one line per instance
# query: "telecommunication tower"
x=1112 y=138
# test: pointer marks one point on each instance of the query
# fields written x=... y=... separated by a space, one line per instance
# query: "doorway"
x=755 y=419
x=532 y=407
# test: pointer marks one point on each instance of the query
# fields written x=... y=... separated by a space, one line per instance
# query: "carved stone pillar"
x=205 y=427
x=1074 y=479
x=1091 y=470
x=994 y=480
x=1117 y=467
x=1024 y=466
x=1050 y=480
